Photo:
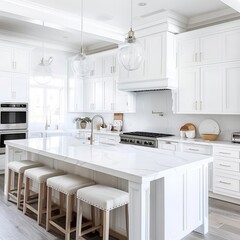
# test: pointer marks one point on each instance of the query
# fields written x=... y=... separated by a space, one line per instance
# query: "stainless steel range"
x=147 y=139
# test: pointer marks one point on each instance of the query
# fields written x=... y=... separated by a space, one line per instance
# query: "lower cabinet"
x=226 y=172
x=2 y=163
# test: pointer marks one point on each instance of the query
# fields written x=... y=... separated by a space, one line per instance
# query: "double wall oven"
x=13 y=122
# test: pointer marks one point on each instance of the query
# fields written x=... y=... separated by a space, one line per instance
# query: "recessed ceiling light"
x=142 y=4
x=65 y=37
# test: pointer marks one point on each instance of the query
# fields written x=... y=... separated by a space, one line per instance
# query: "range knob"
x=150 y=143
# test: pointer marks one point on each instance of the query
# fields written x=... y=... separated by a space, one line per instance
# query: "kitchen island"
x=168 y=190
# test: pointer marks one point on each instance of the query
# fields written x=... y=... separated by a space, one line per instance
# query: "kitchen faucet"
x=94 y=117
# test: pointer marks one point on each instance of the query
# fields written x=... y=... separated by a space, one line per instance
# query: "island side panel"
x=203 y=229
x=139 y=211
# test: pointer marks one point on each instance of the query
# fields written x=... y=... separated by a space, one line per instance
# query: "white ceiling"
x=117 y=12
x=112 y=13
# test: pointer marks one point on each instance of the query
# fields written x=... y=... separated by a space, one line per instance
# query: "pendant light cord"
x=43 y=42
x=81 y=26
x=131 y=13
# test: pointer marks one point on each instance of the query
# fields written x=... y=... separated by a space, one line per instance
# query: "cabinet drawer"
x=168 y=146
x=226 y=165
x=197 y=149
x=107 y=140
x=227 y=183
x=224 y=152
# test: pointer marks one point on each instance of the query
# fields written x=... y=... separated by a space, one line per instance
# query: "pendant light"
x=80 y=63
x=43 y=71
x=131 y=53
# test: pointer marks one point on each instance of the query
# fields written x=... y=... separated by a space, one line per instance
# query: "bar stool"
x=104 y=198
x=18 y=167
x=40 y=176
x=68 y=185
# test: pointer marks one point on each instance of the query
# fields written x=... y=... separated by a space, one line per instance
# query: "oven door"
x=13 y=118
x=10 y=135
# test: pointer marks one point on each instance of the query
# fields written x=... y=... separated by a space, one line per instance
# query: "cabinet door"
x=155 y=50
x=188 y=52
x=98 y=94
x=231 y=86
x=108 y=94
x=6 y=86
x=211 y=89
x=6 y=60
x=21 y=60
x=109 y=65
x=88 y=95
x=211 y=49
x=95 y=66
x=75 y=95
x=232 y=48
x=20 y=83
x=188 y=91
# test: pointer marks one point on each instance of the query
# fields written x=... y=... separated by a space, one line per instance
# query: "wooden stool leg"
x=26 y=195
x=105 y=225
x=40 y=203
x=101 y=223
x=127 y=220
x=9 y=182
x=61 y=202
x=79 y=220
x=19 y=190
x=68 y=216
x=93 y=216
x=49 y=208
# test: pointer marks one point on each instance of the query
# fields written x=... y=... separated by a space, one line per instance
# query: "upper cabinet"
x=158 y=70
x=14 y=59
x=110 y=66
x=209 y=72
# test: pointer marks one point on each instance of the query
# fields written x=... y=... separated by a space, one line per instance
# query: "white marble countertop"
x=201 y=142
x=133 y=163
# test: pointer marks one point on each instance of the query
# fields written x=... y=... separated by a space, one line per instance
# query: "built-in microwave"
x=11 y=135
x=13 y=116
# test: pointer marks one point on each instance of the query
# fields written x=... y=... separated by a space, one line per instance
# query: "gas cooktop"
x=148 y=139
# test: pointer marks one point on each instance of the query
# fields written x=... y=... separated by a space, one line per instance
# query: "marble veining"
x=134 y=163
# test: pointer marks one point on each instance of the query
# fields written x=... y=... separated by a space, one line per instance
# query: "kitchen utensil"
x=209 y=137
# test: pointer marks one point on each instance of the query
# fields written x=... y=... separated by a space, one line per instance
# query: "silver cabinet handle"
x=224 y=153
x=227 y=183
x=194 y=149
x=196 y=105
x=223 y=165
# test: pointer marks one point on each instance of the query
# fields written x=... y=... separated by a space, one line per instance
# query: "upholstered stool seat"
x=104 y=198
x=40 y=176
x=18 y=167
x=68 y=185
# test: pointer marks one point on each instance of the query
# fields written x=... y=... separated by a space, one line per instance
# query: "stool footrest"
x=90 y=230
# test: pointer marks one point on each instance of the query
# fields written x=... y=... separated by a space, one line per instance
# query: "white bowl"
x=190 y=134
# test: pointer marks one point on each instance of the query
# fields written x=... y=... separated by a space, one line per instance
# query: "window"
x=46 y=102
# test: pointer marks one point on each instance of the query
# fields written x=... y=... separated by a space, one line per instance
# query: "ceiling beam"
x=235 y=4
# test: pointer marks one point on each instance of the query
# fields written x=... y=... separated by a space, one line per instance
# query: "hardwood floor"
x=224 y=223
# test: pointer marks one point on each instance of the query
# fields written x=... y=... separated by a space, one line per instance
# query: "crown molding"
x=212 y=18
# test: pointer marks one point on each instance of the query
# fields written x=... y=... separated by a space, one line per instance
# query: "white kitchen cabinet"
x=96 y=68
x=2 y=163
x=125 y=102
x=110 y=65
x=200 y=50
x=14 y=87
x=196 y=86
x=75 y=94
x=231 y=86
x=188 y=90
x=231 y=45
x=108 y=94
x=93 y=95
x=158 y=69
x=14 y=59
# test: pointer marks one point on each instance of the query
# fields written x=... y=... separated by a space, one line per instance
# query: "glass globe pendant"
x=131 y=52
x=80 y=63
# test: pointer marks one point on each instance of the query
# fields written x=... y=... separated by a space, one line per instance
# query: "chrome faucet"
x=94 y=117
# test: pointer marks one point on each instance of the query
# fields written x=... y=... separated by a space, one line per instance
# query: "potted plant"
x=81 y=122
